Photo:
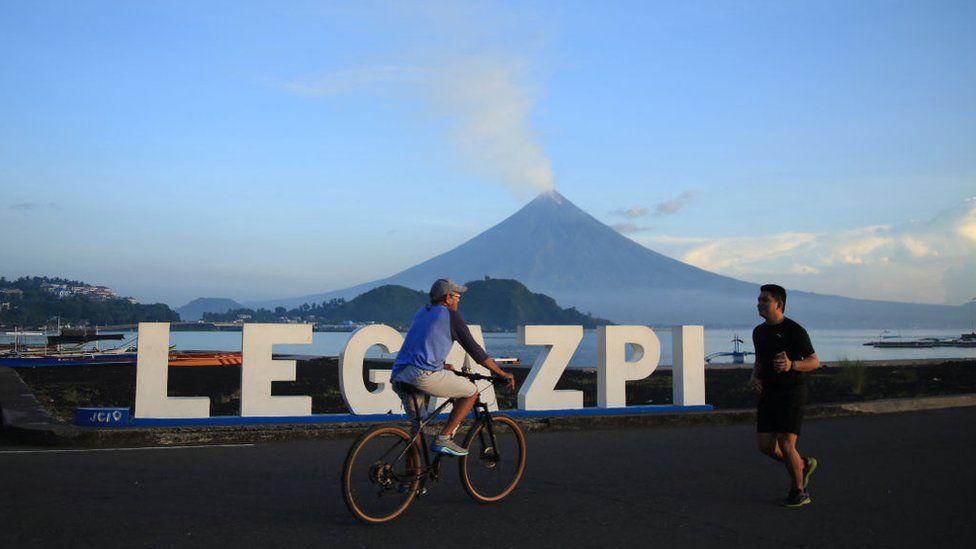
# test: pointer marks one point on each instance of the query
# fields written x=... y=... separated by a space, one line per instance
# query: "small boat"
x=738 y=355
x=924 y=343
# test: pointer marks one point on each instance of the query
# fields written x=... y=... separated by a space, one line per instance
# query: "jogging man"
x=783 y=356
x=420 y=361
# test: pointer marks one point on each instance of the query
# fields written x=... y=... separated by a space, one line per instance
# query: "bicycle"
x=387 y=467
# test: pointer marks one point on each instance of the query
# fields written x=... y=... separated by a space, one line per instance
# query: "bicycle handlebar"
x=475 y=377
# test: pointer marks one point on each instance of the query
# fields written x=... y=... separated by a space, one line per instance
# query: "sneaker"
x=809 y=466
x=446 y=445
x=796 y=498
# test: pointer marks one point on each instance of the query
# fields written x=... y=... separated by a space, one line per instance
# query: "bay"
x=831 y=345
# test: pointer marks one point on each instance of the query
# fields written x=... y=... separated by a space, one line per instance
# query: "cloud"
x=629 y=228
x=741 y=254
x=631 y=213
x=928 y=262
x=29 y=206
x=24 y=206
x=489 y=98
x=661 y=209
x=473 y=71
x=672 y=206
x=966 y=225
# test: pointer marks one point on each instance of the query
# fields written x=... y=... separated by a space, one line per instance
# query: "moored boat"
x=737 y=354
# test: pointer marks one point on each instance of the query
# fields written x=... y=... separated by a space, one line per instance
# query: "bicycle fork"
x=489 y=449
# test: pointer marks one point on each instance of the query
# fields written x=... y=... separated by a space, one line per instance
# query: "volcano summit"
x=554 y=247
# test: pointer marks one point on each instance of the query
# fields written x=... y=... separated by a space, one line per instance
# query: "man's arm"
x=805 y=364
x=509 y=378
x=804 y=348
x=462 y=334
x=754 y=381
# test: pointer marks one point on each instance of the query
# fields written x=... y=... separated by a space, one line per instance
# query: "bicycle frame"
x=431 y=469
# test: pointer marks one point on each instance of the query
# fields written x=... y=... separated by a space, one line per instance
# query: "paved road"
x=891 y=480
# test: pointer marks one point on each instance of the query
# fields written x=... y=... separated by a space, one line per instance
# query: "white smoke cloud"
x=490 y=101
x=673 y=206
x=484 y=87
x=925 y=262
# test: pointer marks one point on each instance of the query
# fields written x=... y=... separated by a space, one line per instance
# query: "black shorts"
x=780 y=410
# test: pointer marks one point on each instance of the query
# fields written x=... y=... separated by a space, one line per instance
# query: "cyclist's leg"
x=461 y=408
x=446 y=384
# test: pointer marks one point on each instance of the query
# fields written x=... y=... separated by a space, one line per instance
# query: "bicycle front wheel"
x=495 y=461
x=381 y=474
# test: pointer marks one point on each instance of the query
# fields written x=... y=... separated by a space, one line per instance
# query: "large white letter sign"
x=458 y=358
x=258 y=370
x=359 y=399
x=538 y=391
x=152 y=375
x=688 y=381
x=613 y=369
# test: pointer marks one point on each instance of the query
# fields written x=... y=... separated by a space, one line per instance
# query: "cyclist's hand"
x=509 y=381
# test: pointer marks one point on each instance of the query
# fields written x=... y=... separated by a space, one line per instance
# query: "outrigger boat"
x=738 y=355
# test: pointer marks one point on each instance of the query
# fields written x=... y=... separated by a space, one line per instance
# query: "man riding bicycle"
x=420 y=362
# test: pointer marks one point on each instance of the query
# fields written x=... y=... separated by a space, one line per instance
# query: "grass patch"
x=852 y=375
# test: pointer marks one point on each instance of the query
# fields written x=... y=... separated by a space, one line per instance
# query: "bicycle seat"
x=407 y=388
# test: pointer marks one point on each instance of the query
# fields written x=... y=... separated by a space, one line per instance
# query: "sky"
x=258 y=150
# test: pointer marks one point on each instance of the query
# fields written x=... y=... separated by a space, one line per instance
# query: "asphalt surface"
x=895 y=480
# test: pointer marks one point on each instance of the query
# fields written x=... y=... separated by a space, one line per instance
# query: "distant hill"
x=556 y=248
x=500 y=304
x=194 y=310
x=32 y=302
x=494 y=304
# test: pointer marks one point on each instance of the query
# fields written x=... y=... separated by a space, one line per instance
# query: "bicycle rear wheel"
x=381 y=474
x=494 y=464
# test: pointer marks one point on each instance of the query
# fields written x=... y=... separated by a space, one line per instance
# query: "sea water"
x=831 y=345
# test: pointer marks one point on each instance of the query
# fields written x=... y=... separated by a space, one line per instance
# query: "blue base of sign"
x=217 y=421
x=102 y=417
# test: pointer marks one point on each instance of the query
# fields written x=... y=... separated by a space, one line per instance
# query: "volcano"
x=555 y=248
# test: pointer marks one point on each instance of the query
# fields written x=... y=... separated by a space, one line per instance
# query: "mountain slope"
x=553 y=247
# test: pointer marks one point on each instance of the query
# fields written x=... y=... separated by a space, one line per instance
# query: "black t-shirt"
x=771 y=339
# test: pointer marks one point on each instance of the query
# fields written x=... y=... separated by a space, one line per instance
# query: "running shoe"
x=809 y=466
x=446 y=445
x=796 y=498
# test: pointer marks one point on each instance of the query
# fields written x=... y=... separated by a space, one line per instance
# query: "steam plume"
x=491 y=103
x=483 y=86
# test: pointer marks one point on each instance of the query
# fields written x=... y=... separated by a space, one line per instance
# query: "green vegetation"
x=501 y=305
x=34 y=306
x=853 y=375
x=495 y=304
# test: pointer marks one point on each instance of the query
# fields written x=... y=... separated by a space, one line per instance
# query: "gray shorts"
x=438 y=383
